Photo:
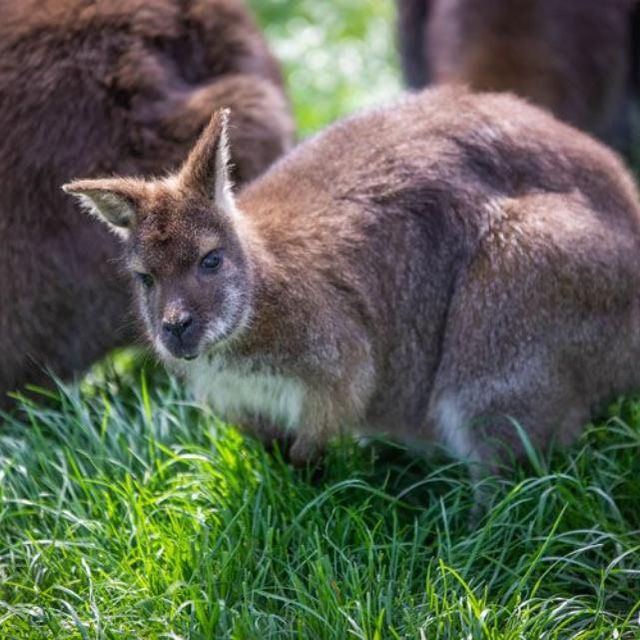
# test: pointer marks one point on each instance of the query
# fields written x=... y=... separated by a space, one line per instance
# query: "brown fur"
x=574 y=58
x=423 y=270
x=123 y=86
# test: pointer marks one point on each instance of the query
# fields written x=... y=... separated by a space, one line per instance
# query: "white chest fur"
x=235 y=392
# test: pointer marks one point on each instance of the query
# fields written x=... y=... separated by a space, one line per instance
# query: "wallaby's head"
x=185 y=246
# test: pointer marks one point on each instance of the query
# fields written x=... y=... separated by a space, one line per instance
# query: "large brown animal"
x=428 y=270
x=117 y=86
x=578 y=59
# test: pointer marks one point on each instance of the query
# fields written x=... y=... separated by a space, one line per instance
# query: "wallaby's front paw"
x=272 y=437
x=305 y=451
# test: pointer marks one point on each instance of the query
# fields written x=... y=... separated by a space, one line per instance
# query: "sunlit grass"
x=133 y=514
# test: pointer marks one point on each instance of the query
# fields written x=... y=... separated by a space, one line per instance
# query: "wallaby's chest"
x=245 y=391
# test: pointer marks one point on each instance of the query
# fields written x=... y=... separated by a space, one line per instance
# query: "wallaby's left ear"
x=206 y=170
x=113 y=200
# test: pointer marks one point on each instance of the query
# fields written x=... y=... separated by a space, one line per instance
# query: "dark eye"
x=212 y=261
x=145 y=279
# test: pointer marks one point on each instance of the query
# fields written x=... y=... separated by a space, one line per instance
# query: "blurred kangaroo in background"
x=578 y=59
x=428 y=270
x=118 y=86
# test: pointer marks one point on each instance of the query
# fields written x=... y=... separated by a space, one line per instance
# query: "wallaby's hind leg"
x=491 y=421
x=543 y=322
x=491 y=431
x=413 y=19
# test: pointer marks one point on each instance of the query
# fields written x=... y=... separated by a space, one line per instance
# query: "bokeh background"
x=338 y=57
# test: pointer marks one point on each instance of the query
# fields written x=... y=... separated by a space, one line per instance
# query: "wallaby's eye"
x=212 y=261
x=146 y=280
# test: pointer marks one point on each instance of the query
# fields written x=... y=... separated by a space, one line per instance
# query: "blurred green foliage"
x=338 y=55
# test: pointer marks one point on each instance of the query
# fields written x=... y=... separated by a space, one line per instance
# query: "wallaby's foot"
x=272 y=437
x=297 y=449
x=305 y=451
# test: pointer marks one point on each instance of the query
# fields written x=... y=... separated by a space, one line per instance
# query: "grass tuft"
x=128 y=512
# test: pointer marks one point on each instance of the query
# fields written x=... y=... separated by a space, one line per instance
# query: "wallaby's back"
x=489 y=253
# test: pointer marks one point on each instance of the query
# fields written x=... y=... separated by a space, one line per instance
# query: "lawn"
x=128 y=512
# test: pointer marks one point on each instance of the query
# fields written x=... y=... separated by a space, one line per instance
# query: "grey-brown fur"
x=576 y=58
x=95 y=88
x=423 y=270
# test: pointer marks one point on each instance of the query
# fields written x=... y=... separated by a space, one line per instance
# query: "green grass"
x=127 y=512
x=338 y=56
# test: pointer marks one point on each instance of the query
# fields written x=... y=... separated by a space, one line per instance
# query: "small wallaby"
x=432 y=270
x=123 y=86
x=577 y=59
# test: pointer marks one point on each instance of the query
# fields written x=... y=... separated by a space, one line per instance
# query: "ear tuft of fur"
x=113 y=201
x=206 y=170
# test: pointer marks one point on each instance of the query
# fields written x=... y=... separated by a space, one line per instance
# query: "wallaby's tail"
x=412 y=41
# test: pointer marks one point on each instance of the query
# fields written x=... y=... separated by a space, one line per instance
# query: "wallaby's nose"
x=177 y=326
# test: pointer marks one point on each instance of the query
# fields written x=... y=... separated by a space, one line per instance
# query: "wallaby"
x=431 y=270
x=577 y=59
x=90 y=88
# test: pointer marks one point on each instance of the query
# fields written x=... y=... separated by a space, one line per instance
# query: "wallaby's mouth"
x=184 y=354
x=177 y=348
x=188 y=356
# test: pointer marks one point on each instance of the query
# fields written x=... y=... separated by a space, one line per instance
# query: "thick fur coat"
x=577 y=59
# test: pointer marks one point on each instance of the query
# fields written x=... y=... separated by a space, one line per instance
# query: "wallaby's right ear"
x=113 y=200
x=206 y=170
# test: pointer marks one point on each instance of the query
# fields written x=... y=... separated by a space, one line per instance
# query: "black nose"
x=179 y=326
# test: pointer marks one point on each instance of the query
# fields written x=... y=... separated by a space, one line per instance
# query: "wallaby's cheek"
x=146 y=315
x=149 y=312
x=226 y=313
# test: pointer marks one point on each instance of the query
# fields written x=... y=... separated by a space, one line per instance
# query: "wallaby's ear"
x=206 y=170
x=113 y=200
